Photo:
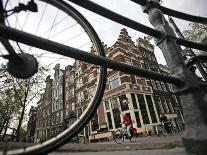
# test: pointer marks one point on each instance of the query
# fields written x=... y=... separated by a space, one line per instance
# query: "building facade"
x=57 y=120
x=31 y=124
x=143 y=100
x=44 y=113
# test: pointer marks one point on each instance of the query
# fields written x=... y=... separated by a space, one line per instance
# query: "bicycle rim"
x=59 y=11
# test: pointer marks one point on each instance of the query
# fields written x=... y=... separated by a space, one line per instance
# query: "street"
x=179 y=151
x=141 y=143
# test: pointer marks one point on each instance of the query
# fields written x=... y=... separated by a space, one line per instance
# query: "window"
x=169 y=103
x=137 y=64
x=153 y=84
x=159 y=104
x=73 y=106
x=108 y=114
x=117 y=118
x=114 y=103
x=143 y=82
x=114 y=81
x=134 y=101
x=158 y=85
x=70 y=93
x=78 y=71
x=137 y=119
x=149 y=56
x=133 y=79
x=124 y=102
x=164 y=104
x=107 y=106
x=57 y=117
x=91 y=92
x=79 y=83
x=70 y=78
x=80 y=96
x=94 y=122
x=90 y=77
x=163 y=86
x=143 y=109
x=61 y=116
x=146 y=66
x=128 y=61
x=151 y=108
x=151 y=67
x=79 y=111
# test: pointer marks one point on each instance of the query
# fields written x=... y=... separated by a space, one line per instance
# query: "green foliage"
x=16 y=94
x=194 y=31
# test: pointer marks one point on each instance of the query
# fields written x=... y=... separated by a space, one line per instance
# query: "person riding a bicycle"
x=127 y=123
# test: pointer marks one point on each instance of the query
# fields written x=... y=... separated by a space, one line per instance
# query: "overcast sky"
x=108 y=31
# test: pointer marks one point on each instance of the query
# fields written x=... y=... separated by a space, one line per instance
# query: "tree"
x=194 y=31
x=22 y=93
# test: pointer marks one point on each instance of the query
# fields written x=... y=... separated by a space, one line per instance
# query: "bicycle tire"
x=132 y=139
x=69 y=133
x=118 y=137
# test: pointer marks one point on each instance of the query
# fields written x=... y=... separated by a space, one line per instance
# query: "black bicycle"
x=37 y=34
x=53 y=21
x=163 y=132
x=121 y=134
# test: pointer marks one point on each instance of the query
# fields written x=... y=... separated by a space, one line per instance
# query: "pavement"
x=140 y=143
x=177 y=151
x=151 y=145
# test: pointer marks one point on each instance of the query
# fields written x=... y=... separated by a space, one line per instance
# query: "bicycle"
x=24 y=61
x=162 y=131
x=121 y=134
x=19 y=63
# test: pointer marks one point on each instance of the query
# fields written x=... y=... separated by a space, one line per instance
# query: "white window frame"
x=90 y=77
x=118 y=83
x=128 y=61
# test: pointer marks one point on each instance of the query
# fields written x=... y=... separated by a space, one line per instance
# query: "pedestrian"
x=127 y=123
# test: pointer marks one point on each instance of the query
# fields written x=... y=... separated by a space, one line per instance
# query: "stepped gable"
x=124 y=37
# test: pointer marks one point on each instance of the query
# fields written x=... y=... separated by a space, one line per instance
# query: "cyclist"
x=165 y=122
x=127 y=123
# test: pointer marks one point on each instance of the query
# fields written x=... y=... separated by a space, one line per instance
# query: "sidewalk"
x=141 y=143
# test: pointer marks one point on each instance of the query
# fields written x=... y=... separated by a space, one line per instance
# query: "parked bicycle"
x=162 y=131
x=120 y=135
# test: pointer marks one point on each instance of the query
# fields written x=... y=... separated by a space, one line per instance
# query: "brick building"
x=31 y=124
x=140 y=98
x=124 y=93
x=57 y=124
x=43 y=113
x=170 y=97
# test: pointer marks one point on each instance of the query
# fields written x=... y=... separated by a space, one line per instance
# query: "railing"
x=189 y=90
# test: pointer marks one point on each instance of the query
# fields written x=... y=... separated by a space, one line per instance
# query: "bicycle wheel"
x=59 y=117
x=118 y=137
x=132 y=139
